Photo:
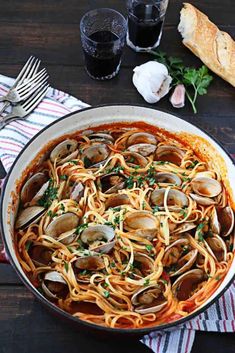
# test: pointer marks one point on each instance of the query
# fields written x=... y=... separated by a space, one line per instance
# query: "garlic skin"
x=152 y=81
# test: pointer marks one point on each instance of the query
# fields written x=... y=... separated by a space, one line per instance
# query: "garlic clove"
x=178 y=96
x=152 y=81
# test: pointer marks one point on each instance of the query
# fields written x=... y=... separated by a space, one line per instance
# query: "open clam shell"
x=169 y=153
x=62 y=224
x=64 y=151
x=185 y=285
x=95 y=155
x=216 y=247
x=226 y=220
x=77 y=192
x=206 y=187
x=40 y=255
x=91 y=263
x=145 y=149
x=149 y=299
x=54 y=285
x=144 y=265
x=201 y=200
x=112 y=182
x=34 y=188
x=176 y=199
x=148 y=234
x=168 y=178
x=28 y=216
x=141 y=137
x=101 y=137
x=100 y=238
x=116 y=200
x=179 y=257
x=214 y=221
x=134 y=158
x=140 y=220
x=184 y=227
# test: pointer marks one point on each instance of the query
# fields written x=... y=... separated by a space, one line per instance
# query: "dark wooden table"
x=49 y=29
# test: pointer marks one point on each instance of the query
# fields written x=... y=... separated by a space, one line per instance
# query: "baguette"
x=215 y=48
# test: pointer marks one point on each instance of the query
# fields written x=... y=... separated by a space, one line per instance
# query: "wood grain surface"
x=49 y=29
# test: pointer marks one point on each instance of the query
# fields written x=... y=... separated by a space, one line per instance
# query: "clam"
x=95 y=155
x=185 y=285
x=28 y=216
x=169 y=153
x=140 y=220
x=92 y=263
x=64 y=151
x=77 y=192
x=214 y=221
x=168 y=178
x=149 y=299
x=141 y=137
x=206 y=187
x=184 y=227
x=40 y=255
x=148 y=234
x=216 y=247
x=62 y=226
x=117 y=200
x=99 y=238
x=226 y=219
x=34 y=188
x=134 y=158
x=179 y=257
x=54 y=285
x=101 y=137
x=201 y=200
x=176 y=199
x=145 y=149
x=143 y=265
x=111 y=183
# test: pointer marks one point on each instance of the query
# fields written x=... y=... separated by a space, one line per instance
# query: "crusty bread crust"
x=215 y=48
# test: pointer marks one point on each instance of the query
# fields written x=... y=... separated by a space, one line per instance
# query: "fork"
x=28 y=71
x=21 y=110
x=25 y=89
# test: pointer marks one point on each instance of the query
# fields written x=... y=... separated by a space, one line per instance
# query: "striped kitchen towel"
x=219 y=317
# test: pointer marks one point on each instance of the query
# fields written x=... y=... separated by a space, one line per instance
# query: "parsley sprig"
x=196 y=81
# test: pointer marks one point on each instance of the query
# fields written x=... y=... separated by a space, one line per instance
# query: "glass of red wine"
x=103 y=36
x=145 y=23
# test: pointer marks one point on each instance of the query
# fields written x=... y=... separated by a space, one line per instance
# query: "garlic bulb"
x=152 y=81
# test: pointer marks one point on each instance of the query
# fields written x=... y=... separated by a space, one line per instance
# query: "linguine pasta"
x=124 y=230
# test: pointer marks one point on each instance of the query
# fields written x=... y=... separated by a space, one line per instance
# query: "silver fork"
x=20 y=111
x=25 y=89
x=28 y=71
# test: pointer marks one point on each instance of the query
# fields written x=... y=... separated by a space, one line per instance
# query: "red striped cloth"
x=219 y=317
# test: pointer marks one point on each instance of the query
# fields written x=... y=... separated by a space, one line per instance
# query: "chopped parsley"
x=70 y=249
x=231 y=247
x=66 y=266
x=140 y=181
x=62 y=207
x=49 y=196
x=149 y=248
x=192 y=165
x=200 y=236
x=51 y=214
x=146 y=282
x=87 y=162
x=129 y=182
x=105 y=285
x=81 y=228
x=112 y=264
x=184 y=213
x=74 y=162
x=106 y=294
x=115 y=169
x=156 y=209
x=63 y=177
x=200 y=226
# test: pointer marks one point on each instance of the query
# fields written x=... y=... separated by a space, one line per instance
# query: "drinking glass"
x=145 y=23
x=103 y=35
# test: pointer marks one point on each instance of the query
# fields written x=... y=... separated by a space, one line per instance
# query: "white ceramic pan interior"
x=93 y=117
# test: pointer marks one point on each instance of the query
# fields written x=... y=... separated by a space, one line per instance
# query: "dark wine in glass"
x=145 y=22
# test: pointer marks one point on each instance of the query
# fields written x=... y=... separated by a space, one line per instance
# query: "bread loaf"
x=215 y=48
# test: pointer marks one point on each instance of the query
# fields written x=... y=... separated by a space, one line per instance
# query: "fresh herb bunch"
x=196 y=81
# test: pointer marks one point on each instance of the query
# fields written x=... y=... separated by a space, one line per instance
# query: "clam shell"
x=32 y=187
x=90 y=263
x=226 y=219
x=201 y=200
x=141 y=137
x=117 y=200
x=214 y=221
x=97 y=232
x=77 y=192
x=176 y=199
x=146 y=264
x=56 y=278
x=62 y=224
x=151 y=303
x=101 y=137
x=95 y=155
x=140 y=220
x=185 y=284
x=216 y=247
x=63 y=149
x=168 y=178
x=206 y=187
x=170 y=154
x=148 y=234
x=185 y=227
x=133 y=158
x=28 y=216
x=40 y=255
x=145 y=149
x=111 y=183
